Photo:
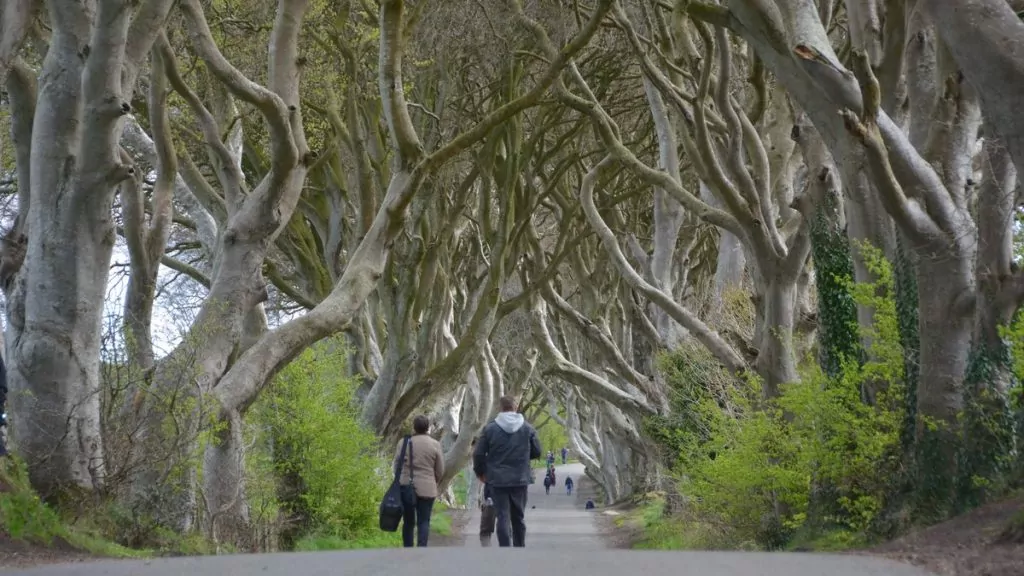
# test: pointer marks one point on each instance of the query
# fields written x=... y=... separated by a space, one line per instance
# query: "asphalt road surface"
x=561 y=539
x=491 y=562
x=553 y=521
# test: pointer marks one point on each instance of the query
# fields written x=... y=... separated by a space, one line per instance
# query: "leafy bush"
x=327 y=470
x=748 y=466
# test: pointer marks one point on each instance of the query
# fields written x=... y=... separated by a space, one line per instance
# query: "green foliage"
x=985 y=464
x=112 y=519
x=658 y=529
x=24 y=516
x=833 y=265
x=441 y=520
x=552 y=437
x=1014 y=336
x=326 y=466
x=460 y=487
x=748 y=466
x=698 y=389
x=320 y=541
x=440 y=525
x=905 y=284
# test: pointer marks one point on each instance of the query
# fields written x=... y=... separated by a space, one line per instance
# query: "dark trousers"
x=510 y=503
x=415 y=515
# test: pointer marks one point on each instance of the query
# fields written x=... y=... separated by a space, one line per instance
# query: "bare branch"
x=392 y=92
x=284 y=153
x=186 y=269
x=15 y=16
x=231 y=176
x=721 y=349
x=570 y=371
x=145 y=28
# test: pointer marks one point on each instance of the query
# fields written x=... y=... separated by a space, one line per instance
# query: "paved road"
x=491 y=562
x=561 y=539
x=554 y=520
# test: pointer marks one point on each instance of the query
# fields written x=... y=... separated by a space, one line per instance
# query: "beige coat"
x=427 y=465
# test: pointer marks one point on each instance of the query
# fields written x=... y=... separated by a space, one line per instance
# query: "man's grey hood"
x=510 y=422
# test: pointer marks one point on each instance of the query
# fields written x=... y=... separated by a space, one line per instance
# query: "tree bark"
x=239 y=386
x=986 y=39
x=74 y=170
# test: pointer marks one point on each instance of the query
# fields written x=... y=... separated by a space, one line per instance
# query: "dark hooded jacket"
x=503 y=453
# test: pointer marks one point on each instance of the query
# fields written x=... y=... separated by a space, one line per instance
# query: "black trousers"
x=510 y=504
x=415 y=516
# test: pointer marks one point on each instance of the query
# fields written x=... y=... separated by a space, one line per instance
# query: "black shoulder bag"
x=391 y=507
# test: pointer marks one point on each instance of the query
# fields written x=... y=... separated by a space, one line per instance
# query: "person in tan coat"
x=421 y=473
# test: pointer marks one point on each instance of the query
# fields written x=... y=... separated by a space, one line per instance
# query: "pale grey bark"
x=22 y=90
x=595 y=385
x=999 y=289
x=244 y=381
x=74 y=172
x=162 y=487
x=731 y=260
x=136 y=141
x=15 y=18
x=686 y=319
x=240 y=385
x=986 y=39
x=737 y=167
x=668 y=214
x=930 y=215
x=865 y=26
x=146 y=240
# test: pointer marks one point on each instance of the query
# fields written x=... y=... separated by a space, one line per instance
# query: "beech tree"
x=920 y=176
x=539 y=200
x=69 y=172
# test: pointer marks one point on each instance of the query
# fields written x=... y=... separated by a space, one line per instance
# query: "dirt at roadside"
x=614 y=532
x=21 y=554
x=973 y=544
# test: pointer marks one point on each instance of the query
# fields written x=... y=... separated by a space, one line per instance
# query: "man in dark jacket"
x=502 y=460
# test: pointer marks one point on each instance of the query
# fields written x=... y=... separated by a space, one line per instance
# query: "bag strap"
x=401 y=460
x=412 y=469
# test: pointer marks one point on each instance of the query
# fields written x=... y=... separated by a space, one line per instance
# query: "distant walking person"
x=551 y=458
x=421 y=473
x=565 y=454
x=568 y=485
x=547 y=483
x=502 y=460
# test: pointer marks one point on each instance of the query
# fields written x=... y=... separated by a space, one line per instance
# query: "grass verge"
x=440 y=525
x=26 y=518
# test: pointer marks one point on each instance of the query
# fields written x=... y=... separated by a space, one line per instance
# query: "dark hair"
x=420 y=424
x=508 y=404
